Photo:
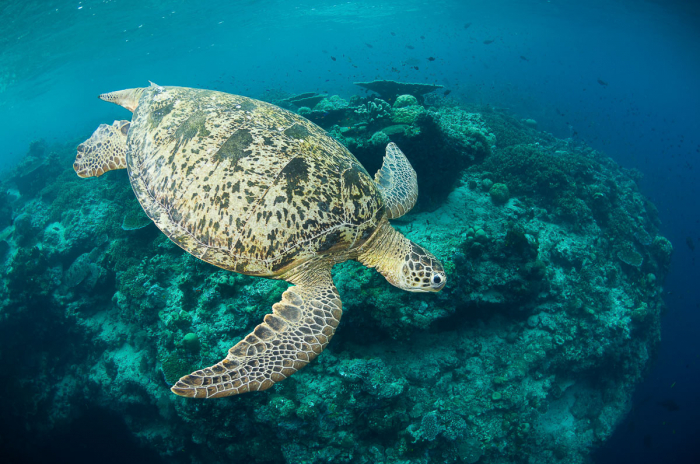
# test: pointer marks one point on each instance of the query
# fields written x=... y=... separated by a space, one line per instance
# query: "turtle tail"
x=128 y=98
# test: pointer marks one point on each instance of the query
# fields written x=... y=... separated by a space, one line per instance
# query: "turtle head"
x=403 y=264
x=128 y=98
x=420 y=271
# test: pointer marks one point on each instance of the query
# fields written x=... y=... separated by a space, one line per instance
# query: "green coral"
x=379 y=139
x=135 y=219
x=173 y=366
x=499 y=193
x=628 y=255
x=191 y=342
x=405 y=100
x=407 y=115
x=527 y=169
x=533 y=170
x=466 y=132
x=331 y=103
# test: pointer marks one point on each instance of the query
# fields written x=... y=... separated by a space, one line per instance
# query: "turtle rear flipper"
x=398 y=182
x=299 y=328
x=104 y=151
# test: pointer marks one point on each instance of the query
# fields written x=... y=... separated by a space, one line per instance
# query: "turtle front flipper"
x=398 y=182
x=104 y=151
x=299 y=328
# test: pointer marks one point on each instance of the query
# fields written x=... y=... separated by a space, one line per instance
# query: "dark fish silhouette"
x=422 y=37
x=431 y=58
x=393 y=33
x=669 y=405
x=333 y=58
x=369 y=45
x=486 y=42
x=523 y=58
x=689 y=242
x=466 y=25
x=602 y=82
x=410 y=47
x=446 y=92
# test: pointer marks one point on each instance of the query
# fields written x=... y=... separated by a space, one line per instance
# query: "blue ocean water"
x=621 y=76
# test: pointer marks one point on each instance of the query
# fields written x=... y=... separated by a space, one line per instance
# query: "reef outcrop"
x=549 y=319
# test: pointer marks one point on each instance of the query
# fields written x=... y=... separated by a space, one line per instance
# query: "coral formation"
x=499 y=193
x=389 y=90
x=549 y=319
x=374 y=110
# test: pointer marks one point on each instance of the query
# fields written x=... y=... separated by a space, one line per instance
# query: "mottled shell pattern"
x=246 y=185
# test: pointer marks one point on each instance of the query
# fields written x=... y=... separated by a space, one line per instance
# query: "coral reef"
x=389 y=90
x=549 y=319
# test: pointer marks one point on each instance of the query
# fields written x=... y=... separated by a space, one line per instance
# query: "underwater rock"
x=82 y=271
x=4 y=250
x=34 y=168
x=493 y=368
x=309 y=99
x=499 y=193
x=466 y=132
x=332 y=116
x=24 y=229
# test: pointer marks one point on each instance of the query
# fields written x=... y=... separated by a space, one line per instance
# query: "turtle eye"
x=437 y=280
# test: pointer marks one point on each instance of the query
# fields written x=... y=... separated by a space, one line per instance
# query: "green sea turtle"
x=255 y=189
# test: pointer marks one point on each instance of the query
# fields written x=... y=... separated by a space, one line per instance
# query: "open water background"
x=622 y=75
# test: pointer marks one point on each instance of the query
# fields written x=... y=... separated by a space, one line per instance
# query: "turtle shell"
x=246 y=185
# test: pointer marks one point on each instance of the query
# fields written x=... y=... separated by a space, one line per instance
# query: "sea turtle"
x=256 y=189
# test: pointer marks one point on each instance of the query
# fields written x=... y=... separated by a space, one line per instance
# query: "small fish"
x=416 y=68
x=486 y=42
x=523 y=58
x=466 y=25
x=422 y=37
x=431 y=58
x=394 y=34
x=333 y=58
x=691 y=245
x=446 y=92
x=602 y=82
x=410 y=47
x=369 y=45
